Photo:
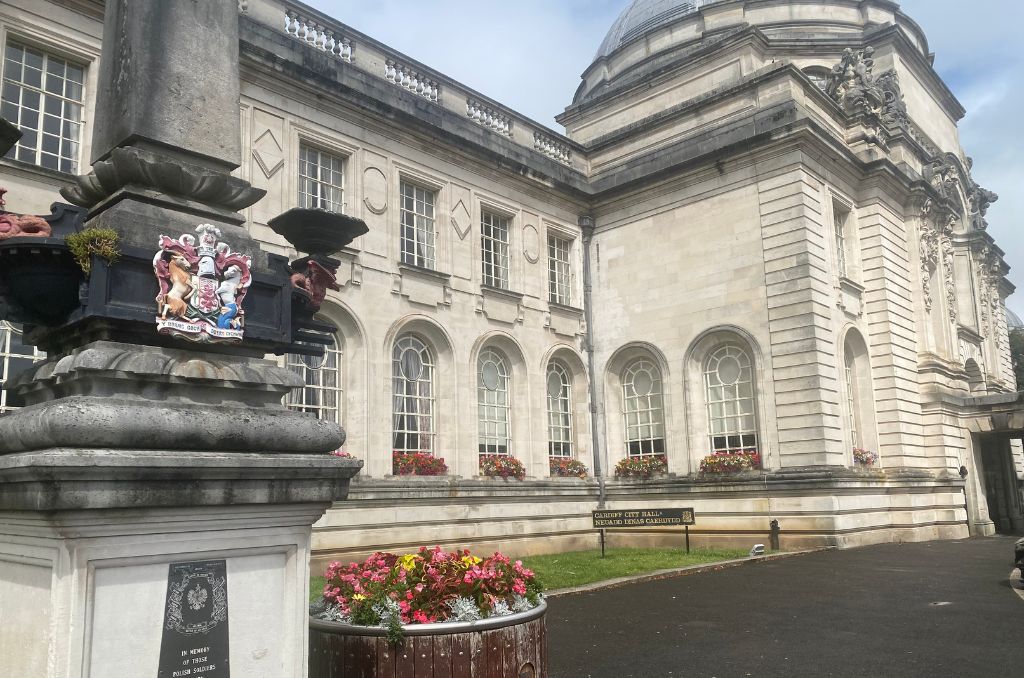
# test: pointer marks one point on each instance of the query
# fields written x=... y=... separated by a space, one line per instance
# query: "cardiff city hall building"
x=752 y=278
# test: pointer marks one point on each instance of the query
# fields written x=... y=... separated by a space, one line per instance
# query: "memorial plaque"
x=666 y=517
x=195 y=631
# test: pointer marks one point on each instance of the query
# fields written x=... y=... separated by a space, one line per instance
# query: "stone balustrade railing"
x=492 y=119
x=333 y=37
x=552 y=148
x=312 y=32
x=410 y=79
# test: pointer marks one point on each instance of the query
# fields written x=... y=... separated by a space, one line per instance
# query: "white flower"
x=463 y=610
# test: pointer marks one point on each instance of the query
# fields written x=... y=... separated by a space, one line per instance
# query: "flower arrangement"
x=643 y=466
x=428 y=586
x=417 y=464
x=501 y=466
x=342 y=454
x=730 y=462
x=565 y=467
x=863 y=457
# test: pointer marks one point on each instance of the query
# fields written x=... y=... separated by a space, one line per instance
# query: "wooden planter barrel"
x=514 y=646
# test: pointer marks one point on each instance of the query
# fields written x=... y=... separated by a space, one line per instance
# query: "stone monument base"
x=85 y=582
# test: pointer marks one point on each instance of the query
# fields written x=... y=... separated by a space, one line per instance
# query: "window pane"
x=729 y=393
x=323 y=395
x=643 y=411
x=417 y=218
x=35 y=81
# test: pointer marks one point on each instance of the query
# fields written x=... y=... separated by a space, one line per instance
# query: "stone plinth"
x=86 y=589
x=127 y=459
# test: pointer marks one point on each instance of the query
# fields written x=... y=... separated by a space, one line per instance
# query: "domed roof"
x=643 y=16
x=1013 y=321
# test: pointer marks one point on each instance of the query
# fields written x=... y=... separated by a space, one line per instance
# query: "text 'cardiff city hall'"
x=753 y=278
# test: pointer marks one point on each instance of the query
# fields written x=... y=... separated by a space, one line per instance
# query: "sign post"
x=656 y=517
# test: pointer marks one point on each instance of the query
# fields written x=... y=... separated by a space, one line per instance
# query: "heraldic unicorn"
x=202 y=286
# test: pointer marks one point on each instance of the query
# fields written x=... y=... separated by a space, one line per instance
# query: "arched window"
x=559 y=390
x=412 y=374
x=643 y=409
x=15 y=357
x=322 y=394
x=852 y=400
x=493 y=410
x=729 y=392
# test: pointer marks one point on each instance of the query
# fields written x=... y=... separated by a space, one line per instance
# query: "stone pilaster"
x=800 y=300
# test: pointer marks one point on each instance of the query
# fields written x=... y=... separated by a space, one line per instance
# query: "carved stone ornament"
x=946 y=247
x=942 y=174
x=202 y=286
x=878 y=99
x=929 y=252
x=136 y=167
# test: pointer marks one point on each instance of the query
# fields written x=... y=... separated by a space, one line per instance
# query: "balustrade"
x=483 y=114
x=313 y=33
x=409 y=79
x=552 y=148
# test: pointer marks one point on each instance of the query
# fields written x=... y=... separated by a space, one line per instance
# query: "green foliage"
x=102 y=242
x=1017 y=355
x=566 y=570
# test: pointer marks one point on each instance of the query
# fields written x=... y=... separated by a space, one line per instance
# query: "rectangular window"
x=417 y=214
x=840 y=216
x=494 y=232
x=559 y=290
x=15 y=358
x=321 y=179
x=42 y=95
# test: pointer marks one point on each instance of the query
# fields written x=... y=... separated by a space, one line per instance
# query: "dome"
x=1013 y=321
x=643 y=16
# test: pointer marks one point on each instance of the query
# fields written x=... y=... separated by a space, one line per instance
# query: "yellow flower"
x=470 y=561
x=358 y=596
x=408 y=561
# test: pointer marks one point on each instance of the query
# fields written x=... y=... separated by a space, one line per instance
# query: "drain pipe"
x=586 y=223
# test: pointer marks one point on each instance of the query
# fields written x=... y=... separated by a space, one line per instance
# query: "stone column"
x=145 y=467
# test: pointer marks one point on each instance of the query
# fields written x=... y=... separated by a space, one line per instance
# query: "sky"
x=529 y=56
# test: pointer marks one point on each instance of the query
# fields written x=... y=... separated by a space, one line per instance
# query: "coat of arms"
x=202 y=285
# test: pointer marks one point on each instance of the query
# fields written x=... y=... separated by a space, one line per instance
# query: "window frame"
x=344 y=157
x=428 y=364
x=7 y=332
x=648 y=417
x=554 y=271
x=418 y=260
x=560 y=420
x=749 y=438
x=79 y=59
x=495 y=252
x=489 y=441
x=297 y=398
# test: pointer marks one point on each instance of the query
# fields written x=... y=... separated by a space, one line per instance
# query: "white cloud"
x=529 y=56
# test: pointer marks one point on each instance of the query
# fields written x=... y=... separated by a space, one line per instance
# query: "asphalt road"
x=936 y=610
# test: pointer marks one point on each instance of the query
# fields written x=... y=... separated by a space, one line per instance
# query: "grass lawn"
x=563 y=570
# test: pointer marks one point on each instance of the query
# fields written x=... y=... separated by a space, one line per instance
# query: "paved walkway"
x=935 y=610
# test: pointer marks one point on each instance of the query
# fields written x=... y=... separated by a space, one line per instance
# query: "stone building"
x=759 y=232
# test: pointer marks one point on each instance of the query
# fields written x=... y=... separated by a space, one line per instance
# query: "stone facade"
x=768 y=184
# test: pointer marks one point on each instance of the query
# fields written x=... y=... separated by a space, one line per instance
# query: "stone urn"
x=511 y=646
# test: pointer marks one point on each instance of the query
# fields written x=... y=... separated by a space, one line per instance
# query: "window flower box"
x=645 y=466
x=866 y=458
x=501 y=466
x=724 y=463
x=566 y=467
x=417 y=464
